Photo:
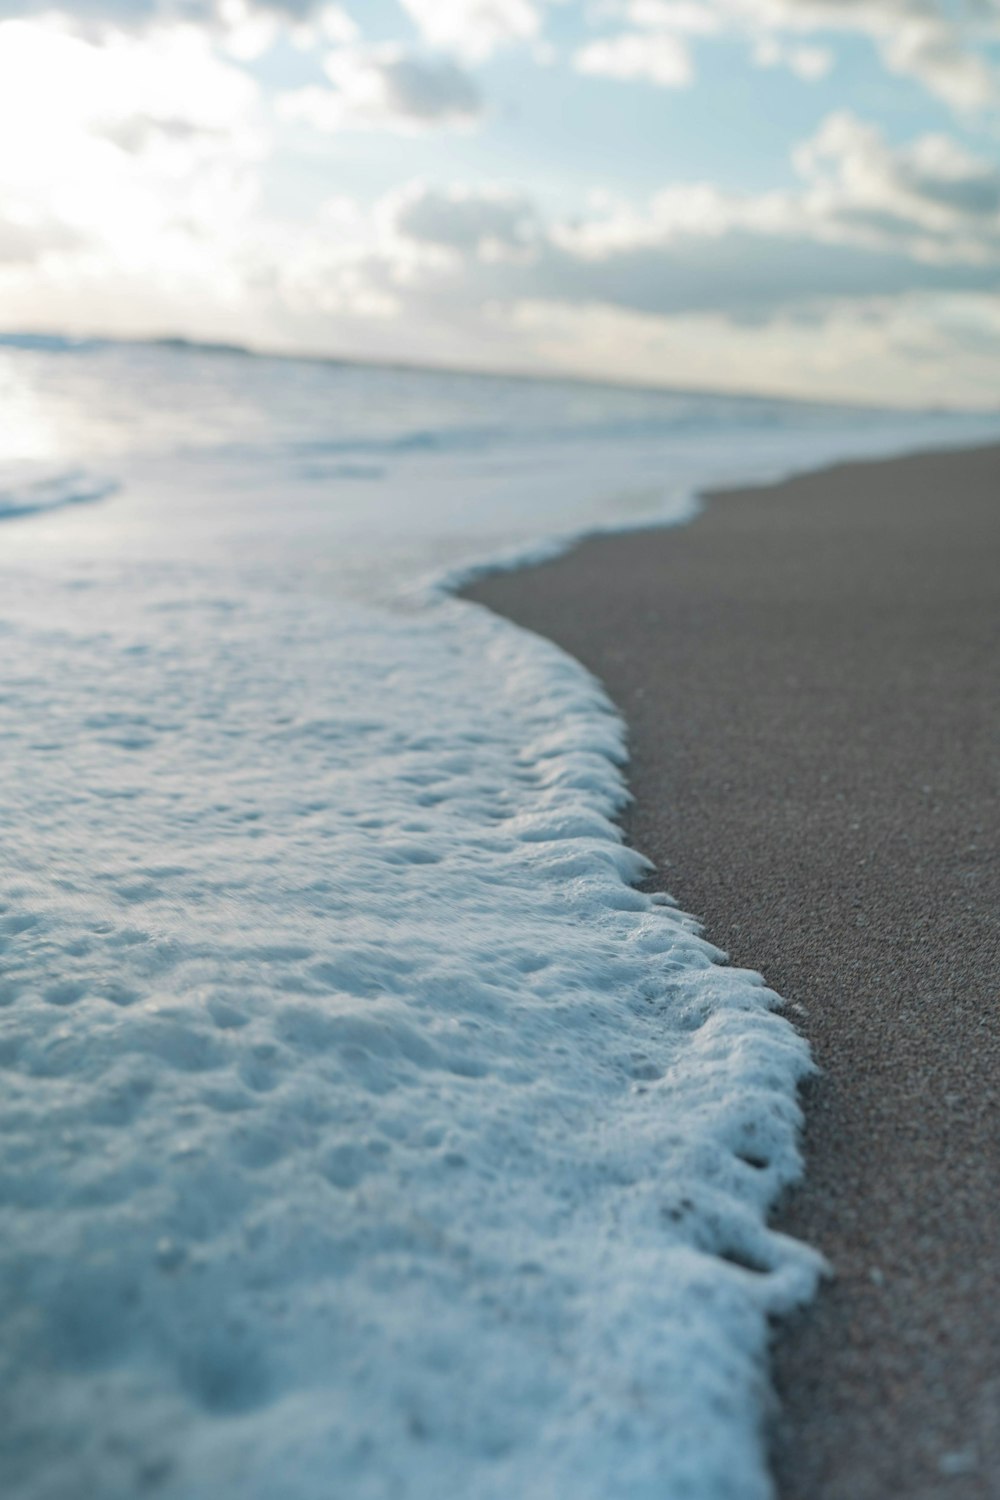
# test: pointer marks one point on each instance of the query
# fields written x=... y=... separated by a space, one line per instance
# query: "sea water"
x=365 y=1132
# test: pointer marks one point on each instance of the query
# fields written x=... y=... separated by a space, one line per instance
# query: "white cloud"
x=928 y=40
x=249 y=28
x=661 y=58
x=136 y=157
x=807 y=63
x=432 y=284
x=683 y=16
x=386 y=88
x=656 y=49
x=870 y=227
x=867 y=221
x=132 y=13
x=932 y=52
x=933 y=198
x=246 y=29
x=492 y=223
x=27 y=236
x=923 y=39
x=474 y=28
x=49 y=76
x=910 y=349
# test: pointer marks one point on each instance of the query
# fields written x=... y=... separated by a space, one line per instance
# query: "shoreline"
x=812 y=755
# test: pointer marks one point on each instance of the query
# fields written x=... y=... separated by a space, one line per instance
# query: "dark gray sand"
x=810 y=676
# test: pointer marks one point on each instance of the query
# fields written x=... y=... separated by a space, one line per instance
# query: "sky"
x=790 y=196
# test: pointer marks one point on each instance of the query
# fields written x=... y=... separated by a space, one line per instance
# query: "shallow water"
x=364 y=1130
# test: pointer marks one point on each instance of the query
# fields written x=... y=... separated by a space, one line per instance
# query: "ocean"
x=365 y=1132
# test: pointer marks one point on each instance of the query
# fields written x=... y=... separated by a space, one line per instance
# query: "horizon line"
x=28 y=339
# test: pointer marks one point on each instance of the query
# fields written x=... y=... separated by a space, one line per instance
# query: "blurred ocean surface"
x=363 y=1130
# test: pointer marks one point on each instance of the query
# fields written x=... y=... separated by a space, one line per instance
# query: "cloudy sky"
x=784 y=195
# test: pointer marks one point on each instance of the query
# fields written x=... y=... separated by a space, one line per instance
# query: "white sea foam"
x=365 y=1131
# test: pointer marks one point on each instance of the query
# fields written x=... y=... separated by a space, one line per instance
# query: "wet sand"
x=810 y=676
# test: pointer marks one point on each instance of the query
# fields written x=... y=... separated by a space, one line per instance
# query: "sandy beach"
x=809 y=674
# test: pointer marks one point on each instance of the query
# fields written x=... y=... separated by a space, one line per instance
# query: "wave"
x=28 y=493
x=50 y=343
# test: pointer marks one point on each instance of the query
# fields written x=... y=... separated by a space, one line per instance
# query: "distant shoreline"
x=809 y=675
x=31 y=339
